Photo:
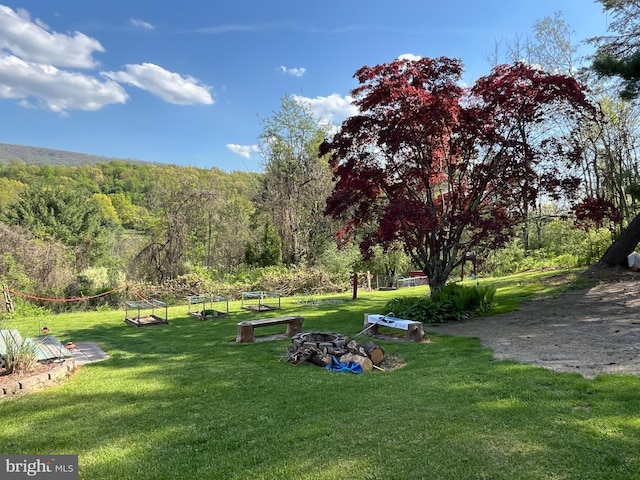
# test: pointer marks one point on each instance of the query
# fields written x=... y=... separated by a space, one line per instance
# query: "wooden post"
x=7 y=299
x=355 y=286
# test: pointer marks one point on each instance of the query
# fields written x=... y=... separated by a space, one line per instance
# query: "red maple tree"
x=594 y=212
x=445 y=169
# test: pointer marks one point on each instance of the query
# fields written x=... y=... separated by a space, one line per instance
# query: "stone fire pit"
x=325 y=348
x=323 y=341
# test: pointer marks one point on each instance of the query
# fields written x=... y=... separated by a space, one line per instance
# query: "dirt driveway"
x=591 y=331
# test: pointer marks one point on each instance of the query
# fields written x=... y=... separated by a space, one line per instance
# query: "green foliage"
x=95 y=281
x=556 y=244
x=97 y=278
x=268 y=252
x=617 y=53
x=33 y=266
x=389 y=262
x=58 y=213
x=12 y=272
x=296 y=181
x=343 y=260
x=9 y=191
x=183 y=220
x=26 y=308
x=106 y=208
x=633 y=190
x=42 y=209
x=452 y=302
x=281 y=279
x=129 y=214
x=467 y=299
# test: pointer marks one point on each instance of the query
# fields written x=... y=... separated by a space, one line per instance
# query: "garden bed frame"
x=204 y=313
x=257 y=301
x=140 y=320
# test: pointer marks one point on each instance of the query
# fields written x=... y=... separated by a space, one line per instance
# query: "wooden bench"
x=372 y=322
x=246 y=328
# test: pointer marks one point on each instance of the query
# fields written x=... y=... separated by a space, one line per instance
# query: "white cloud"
x=136 y=22
x=410 y=56
x=35 y=65
x=295 y=72
x=46 y=86
x=329 y=110
x=243 y=150
x=169 y=86
x=33 y=42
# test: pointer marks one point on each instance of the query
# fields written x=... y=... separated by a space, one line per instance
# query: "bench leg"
x=370 y=329
x=415 y=332
x=294 y=327
x=245 y=334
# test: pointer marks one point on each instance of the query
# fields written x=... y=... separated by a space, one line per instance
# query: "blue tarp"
x=338 y=366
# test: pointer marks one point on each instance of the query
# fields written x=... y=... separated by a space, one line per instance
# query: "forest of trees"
x=81 y=229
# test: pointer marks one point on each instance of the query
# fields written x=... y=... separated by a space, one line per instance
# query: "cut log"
x=364 y=362
x=374 y=352
x=297 y=356
x=338 y=352
x=320 y=359
x=352 y=345
x=356 y=348
x=369 y=349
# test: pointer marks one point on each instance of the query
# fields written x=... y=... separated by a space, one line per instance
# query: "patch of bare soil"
x=590 y=331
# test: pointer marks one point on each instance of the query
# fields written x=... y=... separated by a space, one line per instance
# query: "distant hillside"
x=49 y=156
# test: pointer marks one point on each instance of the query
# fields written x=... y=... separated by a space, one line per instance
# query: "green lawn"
x=184 y=401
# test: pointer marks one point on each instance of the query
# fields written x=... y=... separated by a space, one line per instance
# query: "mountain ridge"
x=51 y=156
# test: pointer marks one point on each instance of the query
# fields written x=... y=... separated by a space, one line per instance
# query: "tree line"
x=427 y=171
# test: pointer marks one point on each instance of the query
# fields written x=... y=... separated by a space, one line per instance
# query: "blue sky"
x=187 y=82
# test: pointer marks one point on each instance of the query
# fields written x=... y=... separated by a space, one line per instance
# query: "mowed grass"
x=184 y=401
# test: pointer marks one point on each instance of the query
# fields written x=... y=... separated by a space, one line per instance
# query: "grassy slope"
x=184 y=401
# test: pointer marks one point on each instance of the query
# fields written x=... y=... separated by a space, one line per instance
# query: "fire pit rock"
x=323 y=341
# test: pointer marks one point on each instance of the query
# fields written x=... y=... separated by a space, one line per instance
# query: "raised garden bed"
x=198 y=306
x=134 y=312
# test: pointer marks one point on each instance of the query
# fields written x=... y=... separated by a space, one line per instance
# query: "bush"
x=468 y=300
x=558 y=245
x=20 y=357
x=452 y=302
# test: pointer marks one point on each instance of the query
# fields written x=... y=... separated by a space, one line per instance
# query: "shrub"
x=465 y=299
x=452 y=302
x=26 y=308
x=20 y=357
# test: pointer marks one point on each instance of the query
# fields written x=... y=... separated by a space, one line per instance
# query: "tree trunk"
x=626 y=243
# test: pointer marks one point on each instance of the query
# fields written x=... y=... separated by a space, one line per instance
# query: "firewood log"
x=356 y=348
x=300 y=355
x=320 y=359
x=364 y=362
x=374 y=352
x=338 y=352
